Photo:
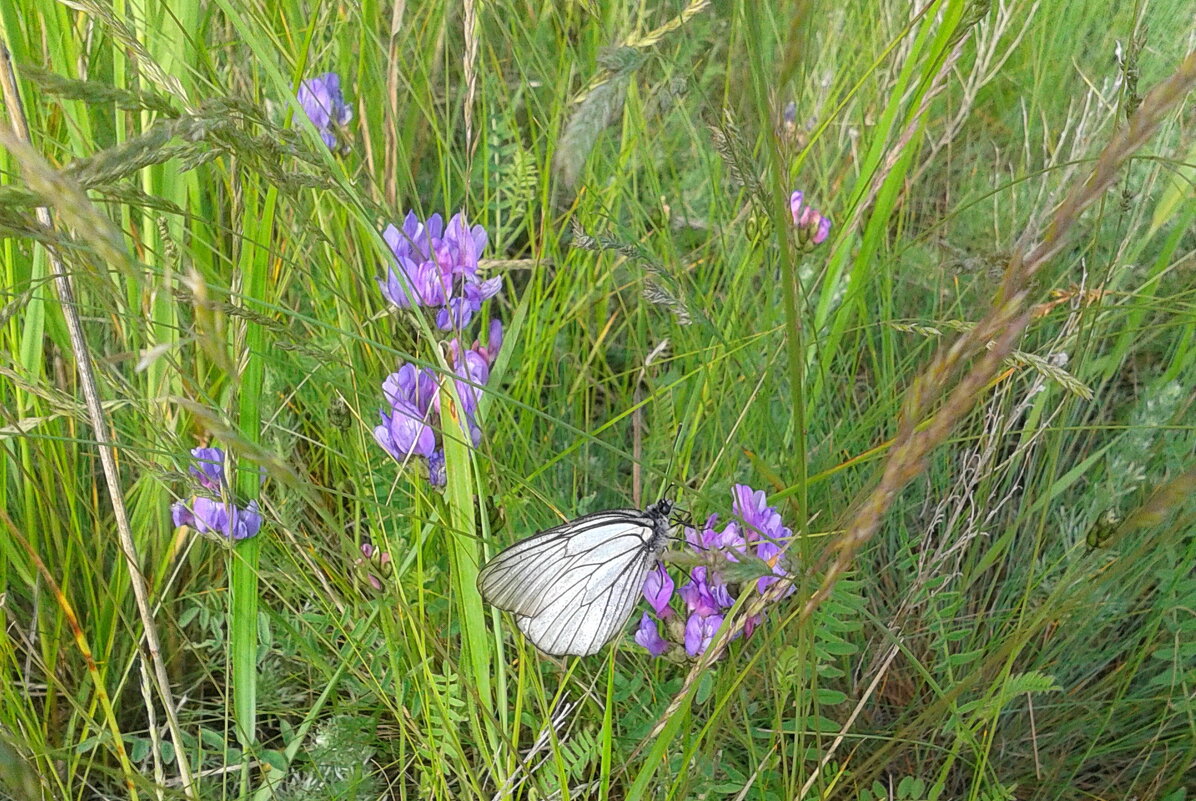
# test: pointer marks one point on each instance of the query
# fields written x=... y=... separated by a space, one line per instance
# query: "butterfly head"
x=662 y=509
x=662 y=525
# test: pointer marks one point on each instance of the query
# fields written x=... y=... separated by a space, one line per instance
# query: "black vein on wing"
x=573 y=615
x=522 y=563
x=613 y=617
x=543 y=588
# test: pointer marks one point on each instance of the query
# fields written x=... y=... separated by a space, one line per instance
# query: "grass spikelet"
x=656 y=288
x=96 y=92
x=742 y=171
x=600 y=107
x=75 y=209
x=150 y=68
x=1046 y=367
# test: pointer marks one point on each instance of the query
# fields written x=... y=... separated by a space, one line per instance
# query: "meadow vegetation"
x=972 y=404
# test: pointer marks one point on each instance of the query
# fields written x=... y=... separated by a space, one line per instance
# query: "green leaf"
x=1030 y=682
x=705 y=687
x=911 y=788
x=827 y=697
x=274 y=759
x=964 y=658
x=821 y=725
x=212 y=739
x=836 y=647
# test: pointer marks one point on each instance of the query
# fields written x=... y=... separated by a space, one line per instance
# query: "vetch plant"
x=754 y=543
x=412 y=425
x=325 y=106
x=215 y=516
x=437 y=266
x=373 y=558
x=812 y=226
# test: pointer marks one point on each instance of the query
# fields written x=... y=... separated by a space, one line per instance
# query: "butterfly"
x=572 y=587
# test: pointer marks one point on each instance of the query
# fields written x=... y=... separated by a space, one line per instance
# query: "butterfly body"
x=573 y=586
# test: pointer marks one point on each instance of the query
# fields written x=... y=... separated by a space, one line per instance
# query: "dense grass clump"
x=961 y=369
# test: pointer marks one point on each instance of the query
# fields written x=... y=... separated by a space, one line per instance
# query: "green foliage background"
x=1020 y=626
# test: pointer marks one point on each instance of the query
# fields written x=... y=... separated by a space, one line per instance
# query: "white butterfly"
x=573 y=587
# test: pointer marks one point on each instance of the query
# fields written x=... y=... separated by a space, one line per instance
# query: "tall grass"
x=973 y=403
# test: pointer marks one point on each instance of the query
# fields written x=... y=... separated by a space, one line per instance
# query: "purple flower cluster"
x=374 y=557
x=437 y=266
x=324 y=105
x=811 y=225
x=215 y=515
x=412 y=426
x=757 y=532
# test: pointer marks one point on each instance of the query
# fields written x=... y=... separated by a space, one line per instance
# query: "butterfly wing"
x=572 y=587
x=584 y=618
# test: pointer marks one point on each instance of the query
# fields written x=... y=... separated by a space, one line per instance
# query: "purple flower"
x=437 y=266
x=207 y=515
x=493 y=342
x=648 y=635
x=181 y=515
x=407 y=429
x=414 y=247
x=412 y=424
x=811 y=225
x=437 y=476
x=461 y=309
x=728 y=542
x=751 y=506
x=210 y=516
x=771 y=554
x=658 y=589
x=759 y=533
x=795 y=204
x=705 y=539
x=765 y=530
x=462 y=246
x=209 y=470
x=699 y=631
x=457 y=257
x=415 y=241
x=324 y=105
x=824 y=231
x=731 y=542
x=705 y=595
x=474 y=368
x=245 y=522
